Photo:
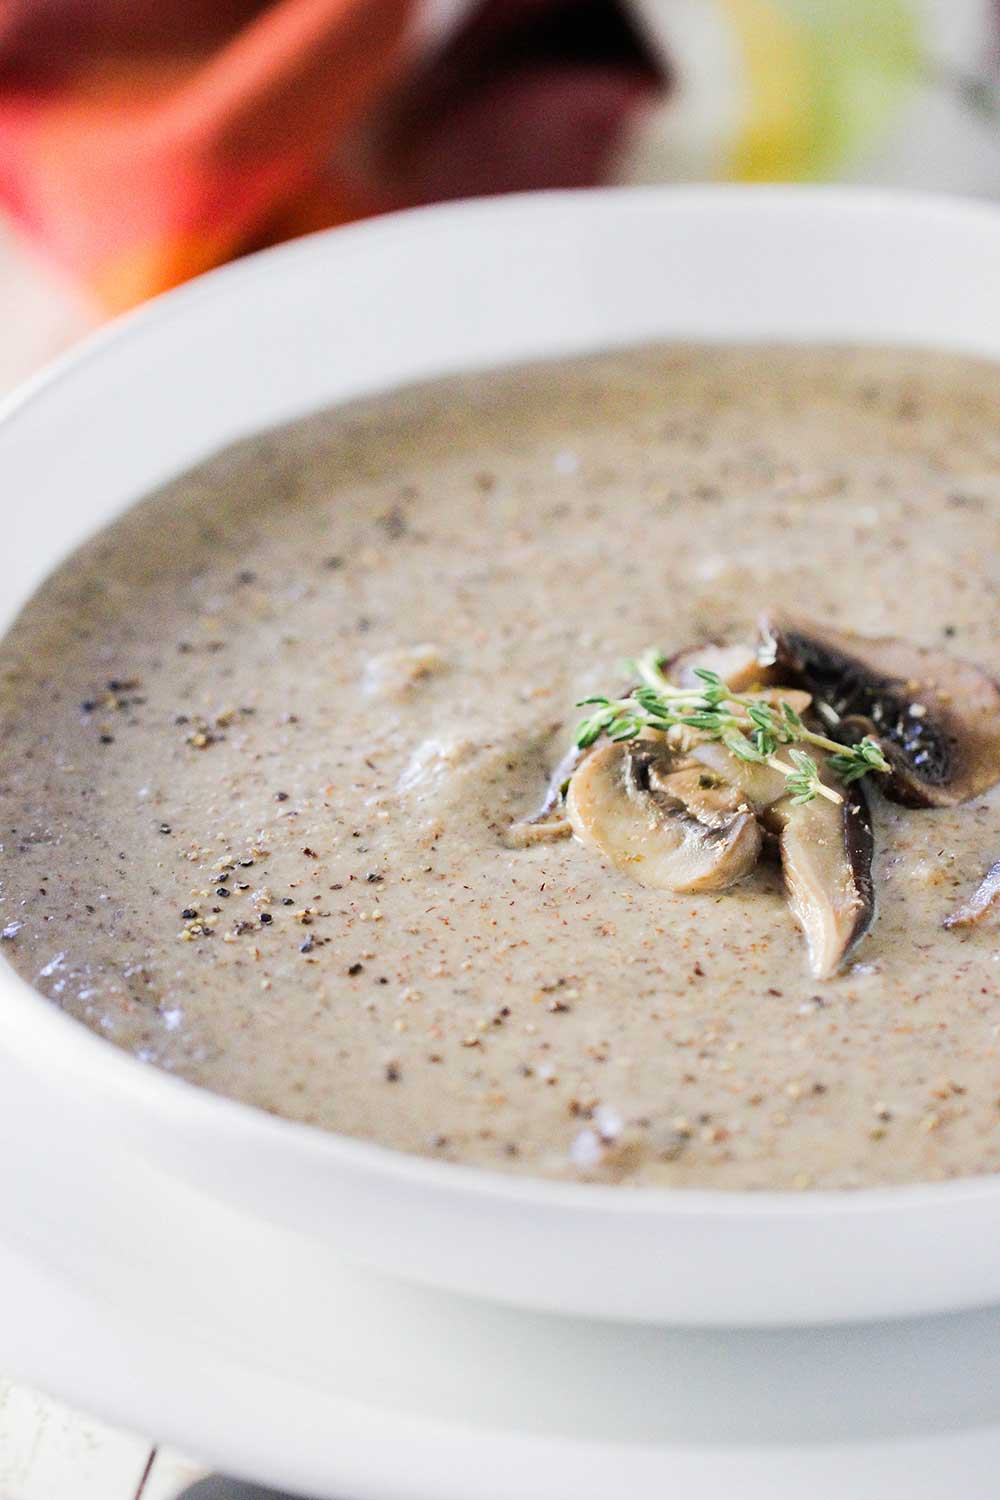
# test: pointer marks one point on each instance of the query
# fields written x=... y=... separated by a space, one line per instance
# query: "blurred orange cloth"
x=146 y=141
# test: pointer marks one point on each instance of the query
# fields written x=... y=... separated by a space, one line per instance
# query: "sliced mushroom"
x=826 y=856
x=737 y=665
x=758 y=785
x=774 y=697
x=550 y=822
x=937 y=718
x=705 y=794
x=547 y=829
x=739 y=668
x=986 y=897
x=649 y=831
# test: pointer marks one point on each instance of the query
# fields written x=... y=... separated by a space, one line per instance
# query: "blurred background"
x=144 y=141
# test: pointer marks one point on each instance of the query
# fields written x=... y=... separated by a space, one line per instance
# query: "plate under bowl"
x=401 y=299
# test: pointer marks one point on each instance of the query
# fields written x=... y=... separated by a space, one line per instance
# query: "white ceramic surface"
x=363 y=309
x=133 y=1295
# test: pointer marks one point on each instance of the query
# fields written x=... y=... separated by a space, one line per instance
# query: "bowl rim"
x=40 y=1034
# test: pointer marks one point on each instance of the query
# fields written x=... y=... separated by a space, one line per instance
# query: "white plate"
x=411 y=296
x=130 y=1294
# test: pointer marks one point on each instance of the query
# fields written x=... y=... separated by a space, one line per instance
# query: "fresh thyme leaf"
x=738 y=744
x=650 y=701
x=874 y=755
x=803 y=762
x=624 y=729
x=591 y=729
x=761 y=715
x=714 y=690
x=857 y=760
x=805 y=783
x=765 y=735
x=752 y=730
x=792 y=719
x=766 y=742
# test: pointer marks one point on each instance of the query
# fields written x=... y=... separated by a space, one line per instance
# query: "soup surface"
x=262 y=740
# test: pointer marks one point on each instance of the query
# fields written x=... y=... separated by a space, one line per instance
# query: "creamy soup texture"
x=262 y=739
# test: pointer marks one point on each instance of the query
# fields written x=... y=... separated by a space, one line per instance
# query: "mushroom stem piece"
x=986 y=897
x=621 y=802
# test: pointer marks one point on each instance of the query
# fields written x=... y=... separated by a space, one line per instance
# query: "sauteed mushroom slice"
x=649 y=831
x=826 y=856
x=937 y=718
x=758 y=785
x=979 y=905
x=738 y=666
x=542 y=828
x=705 y=794
x=550 y=822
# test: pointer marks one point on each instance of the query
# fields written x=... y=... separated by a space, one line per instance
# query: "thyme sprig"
x=748 y=727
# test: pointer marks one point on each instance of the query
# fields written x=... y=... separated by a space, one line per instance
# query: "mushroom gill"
x=936 y=717
x=625 y=800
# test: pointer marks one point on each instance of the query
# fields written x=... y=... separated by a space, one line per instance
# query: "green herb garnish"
x=749 y=728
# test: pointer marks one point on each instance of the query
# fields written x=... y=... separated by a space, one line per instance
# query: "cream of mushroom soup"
x=270 y=744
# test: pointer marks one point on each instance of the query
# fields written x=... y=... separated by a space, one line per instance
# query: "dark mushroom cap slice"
x=936 y=717
x=649 y=831
x=826 y=857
